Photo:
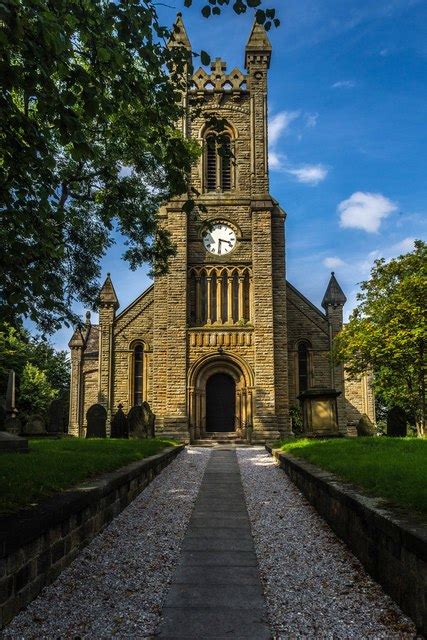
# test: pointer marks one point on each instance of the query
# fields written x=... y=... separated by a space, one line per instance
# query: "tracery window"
x=138 y=374
x=218 y=162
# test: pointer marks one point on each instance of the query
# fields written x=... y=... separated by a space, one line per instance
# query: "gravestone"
x=96 y=418
x=55 y=422
x=365 y=426
x=13 y=425
x=137 y=422
x=150 y=419
x=35 y=425
x=396 y=422
x=2 y=417
x=119 y=424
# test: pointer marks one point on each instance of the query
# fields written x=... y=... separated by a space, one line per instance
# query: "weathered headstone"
x=365 y=426
x=55 y=416
x=119 y=424
x=12 y=424
x=150 y=419
x=35 y=425
x=96 y=417
x=2 y=417
x=396 y=422
x=136 y=422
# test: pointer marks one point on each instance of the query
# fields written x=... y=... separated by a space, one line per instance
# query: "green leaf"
x=206 y=11
x=260 y=16
x=205 y=58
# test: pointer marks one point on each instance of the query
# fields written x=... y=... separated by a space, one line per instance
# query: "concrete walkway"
x=216 y=590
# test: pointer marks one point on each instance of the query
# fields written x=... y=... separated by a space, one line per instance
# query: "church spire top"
x=334 y=295
x=258 y=44
x=107 y=295
x=179 y=34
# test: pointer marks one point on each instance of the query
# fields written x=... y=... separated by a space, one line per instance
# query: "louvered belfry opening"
x=211 y=161
x=219 y=295
x=225 y=162
x=218 y=163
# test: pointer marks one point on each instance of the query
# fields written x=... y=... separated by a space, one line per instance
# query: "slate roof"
x=334 y=295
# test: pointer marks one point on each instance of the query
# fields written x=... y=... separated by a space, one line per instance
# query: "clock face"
x=221 y=239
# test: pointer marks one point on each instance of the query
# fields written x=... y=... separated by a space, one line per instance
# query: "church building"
x=222 y=345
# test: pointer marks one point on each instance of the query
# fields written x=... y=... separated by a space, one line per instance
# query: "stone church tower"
x=222 y=343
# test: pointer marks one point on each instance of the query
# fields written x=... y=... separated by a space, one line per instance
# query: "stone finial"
x=258 y=45
x=107 y=295
x=77 y=341
x=179 y=34
x=334 y=295
x=88 y=322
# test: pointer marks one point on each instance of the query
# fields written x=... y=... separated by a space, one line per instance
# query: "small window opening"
x=302 y=367
x=138 y=375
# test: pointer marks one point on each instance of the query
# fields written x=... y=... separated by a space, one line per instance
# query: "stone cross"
x=10 y=395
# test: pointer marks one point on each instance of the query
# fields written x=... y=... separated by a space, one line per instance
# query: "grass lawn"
x=54 y=465
x=392 y=468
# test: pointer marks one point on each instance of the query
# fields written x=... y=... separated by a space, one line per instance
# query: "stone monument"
x=396 y=422
x=96 y=417
x=365 y=427
x=119 y=424
x=137 y=422
x=55 y=422
x=320 y=412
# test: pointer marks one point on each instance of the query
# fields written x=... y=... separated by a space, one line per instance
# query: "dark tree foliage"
x=37 y=365
x=88 y=146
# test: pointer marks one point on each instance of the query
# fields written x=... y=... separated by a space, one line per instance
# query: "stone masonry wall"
x=37 y=544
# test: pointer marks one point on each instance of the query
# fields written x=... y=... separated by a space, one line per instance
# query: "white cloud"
x=279 y=124
x=365 y=211
x=405 y=245
x=333 y=263
x=274 y=160
x=311 y=120
x=343 y=84
x=311 y=174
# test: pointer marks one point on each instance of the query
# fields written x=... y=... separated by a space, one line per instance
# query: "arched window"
x=303 y=367
x=138 y=374
x=218 y=162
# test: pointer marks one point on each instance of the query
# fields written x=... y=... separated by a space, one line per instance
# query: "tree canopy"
x=386 y=332
x=41 y=372
x=88 y=144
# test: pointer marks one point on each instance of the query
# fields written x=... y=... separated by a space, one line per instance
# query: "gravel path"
x=314 y=586
x=116 y=586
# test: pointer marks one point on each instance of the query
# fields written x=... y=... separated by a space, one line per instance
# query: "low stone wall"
x=37 y=544
x=389 y=542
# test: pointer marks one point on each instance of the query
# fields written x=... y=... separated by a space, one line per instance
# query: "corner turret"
x=179 y=35
x=107 y=295
x=334 y=295
x=258 y=48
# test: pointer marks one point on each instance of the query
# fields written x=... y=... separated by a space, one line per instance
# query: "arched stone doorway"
x=220 y=403
x=204 y=385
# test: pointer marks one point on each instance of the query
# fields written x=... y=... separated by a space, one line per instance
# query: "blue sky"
x=348 y=143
